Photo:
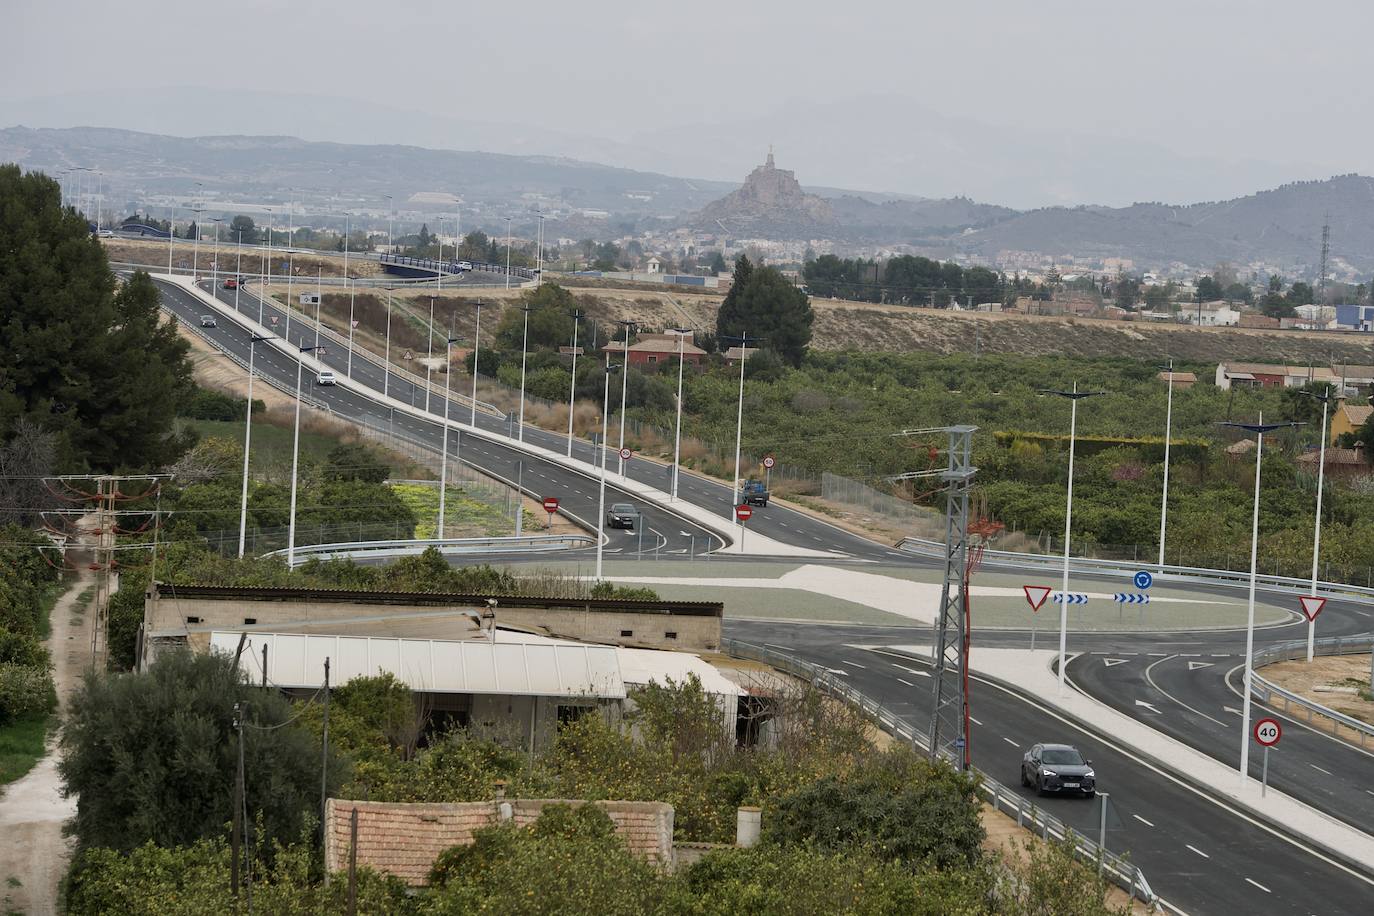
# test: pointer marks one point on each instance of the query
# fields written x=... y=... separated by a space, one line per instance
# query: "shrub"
x=152 y=756
x=26 y=692
x=604 y=589
x=23 y=649
x=204 y=404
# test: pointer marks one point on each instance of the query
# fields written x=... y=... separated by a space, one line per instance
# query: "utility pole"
x=1325 y=258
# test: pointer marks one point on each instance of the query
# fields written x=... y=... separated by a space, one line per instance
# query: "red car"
x=231 y=283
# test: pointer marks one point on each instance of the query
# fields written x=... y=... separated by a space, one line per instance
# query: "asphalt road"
x=1203 y=856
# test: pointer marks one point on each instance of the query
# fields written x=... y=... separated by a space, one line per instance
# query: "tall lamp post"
x=630 y=328
x=429 y=338
x=1168 y=435
x=295 y=461
x=238 y=269
x=524 y=355
x=1317 y=524
x=1074 y=397
x=508 y=254
x=214 y=265
x=266 y=267
x=476 y=349
x=195 y=247
x=253 y=340
x=601 y=499
x=677 y=436
x=577 y=315
x=386 y=361
x=1259 y=429
x=743 y=341
x=443 y=449
x=352 y=324
x=171 y=234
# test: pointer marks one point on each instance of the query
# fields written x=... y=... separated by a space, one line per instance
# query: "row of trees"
x=28 y=582
x=909 y=280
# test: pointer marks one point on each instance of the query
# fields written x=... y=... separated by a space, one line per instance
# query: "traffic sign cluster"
x=1131 y=598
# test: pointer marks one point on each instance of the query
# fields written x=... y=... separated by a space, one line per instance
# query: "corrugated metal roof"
x=517 y=668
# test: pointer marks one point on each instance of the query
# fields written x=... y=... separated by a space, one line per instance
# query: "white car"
x=325 y=378
x=465 y=265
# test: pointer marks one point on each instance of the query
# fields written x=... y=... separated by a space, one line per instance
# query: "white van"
x=325 y=378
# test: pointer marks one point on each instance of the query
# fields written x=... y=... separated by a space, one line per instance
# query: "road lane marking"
x=1142 y=820
x=1009 y=741
x=1319 y=769
x=973 y=720
x=855 y=664
x=908 y=683
x=1260 y=886
x=1149 y=677
x=1198 y=851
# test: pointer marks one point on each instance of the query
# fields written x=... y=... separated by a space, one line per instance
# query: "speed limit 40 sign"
x=1268 y=731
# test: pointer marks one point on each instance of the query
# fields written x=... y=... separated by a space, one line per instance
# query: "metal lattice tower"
x=1326 y=254
x=949 y=717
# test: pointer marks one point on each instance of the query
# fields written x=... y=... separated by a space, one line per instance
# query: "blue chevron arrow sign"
x=1074 y=598
x=1131 y=598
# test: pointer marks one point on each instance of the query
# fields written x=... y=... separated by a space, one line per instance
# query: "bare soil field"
x=153 y=252
x=1302 y=677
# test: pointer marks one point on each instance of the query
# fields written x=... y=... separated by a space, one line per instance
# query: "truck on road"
x=753 y=493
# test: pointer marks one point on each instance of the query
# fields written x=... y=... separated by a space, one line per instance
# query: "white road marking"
x=1149 y=706
x=855 y=664
x=1198 y=851
x=976 y=722
x=1260 y=886
x=1149 y=677
x=1319 y=769
x=1142 y=820
x=908 y=683
x=1110 y=662
x=1011 y=742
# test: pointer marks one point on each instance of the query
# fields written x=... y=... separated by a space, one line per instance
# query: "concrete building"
x=1348 y=418
x=656 y=349
x=1355 y=317
x=1271 y=375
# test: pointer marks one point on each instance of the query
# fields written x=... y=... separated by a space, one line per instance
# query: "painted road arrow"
x=1149 y=706
x=1109 y=662
x=1193 y=666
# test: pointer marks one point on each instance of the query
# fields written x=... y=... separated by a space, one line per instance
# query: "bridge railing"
x=1118 y=868
x=1270 y=693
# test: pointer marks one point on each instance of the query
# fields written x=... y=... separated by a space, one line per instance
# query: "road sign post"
x=1267 y=733
x=1035 y=597
x=625 y=455
x=743 y=512
x=550 y=506
x=768 y=462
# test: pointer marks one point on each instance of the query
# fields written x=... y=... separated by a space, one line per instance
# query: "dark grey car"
x=1058 y=768
x=622 y=515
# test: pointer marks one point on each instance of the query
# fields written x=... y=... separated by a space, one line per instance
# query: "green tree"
x=716 y=262
x=1158 y=298
x=551 y=322
x=765 y=304
x=152 y=757
x=243 y=224
x=82 y=359
x=1300 y=293
x=1209 y=290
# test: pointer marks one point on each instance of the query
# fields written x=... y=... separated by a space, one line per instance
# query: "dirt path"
x=33 y=850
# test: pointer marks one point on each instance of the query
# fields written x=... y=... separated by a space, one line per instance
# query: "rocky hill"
x=770 y=204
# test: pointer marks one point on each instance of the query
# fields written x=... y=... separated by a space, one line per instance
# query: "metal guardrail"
x=1118 y=868
x=1267 y=691
x=353 y=550
x=1125 y=569
x=242 y=363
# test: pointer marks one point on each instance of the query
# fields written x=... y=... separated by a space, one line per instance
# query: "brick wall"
x=403 y=839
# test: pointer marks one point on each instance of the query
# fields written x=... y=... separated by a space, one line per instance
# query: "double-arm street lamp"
x=1259 y=429
x=1326 y=400
x=677 y=436
x=743 y=341
x=443 y=449
x=1168 y=431
x=524 y=354
x=630 y=328
x=1074 y=396
x=577 y=315
x=601 y=499
x=295 y=460
x=253 y=341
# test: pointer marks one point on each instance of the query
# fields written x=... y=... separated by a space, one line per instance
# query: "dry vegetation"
x=153 y=252
x=1346 y=671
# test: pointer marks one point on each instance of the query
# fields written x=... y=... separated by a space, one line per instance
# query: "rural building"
x=1267 y=375
x=656 y=349
x=1180 y=380
x=1355 y=317
x=654 y=266
x=1348 y=418
x=1263 y=322
x=1342 y=462
x=1213 y=315
x=735 y=354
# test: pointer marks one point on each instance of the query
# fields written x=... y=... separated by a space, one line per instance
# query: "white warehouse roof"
x=545 y=668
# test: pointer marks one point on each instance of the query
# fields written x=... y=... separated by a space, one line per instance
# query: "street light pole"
x=247 y=441
x=386 y=361
x=290 y=257
x=524 y=355
x=1168 y=435
x=352 y=300
x=171 y=234
x=677 y=436
x=195 y=247
x=429 y=337
x=1259 y=429
x=1074 y=397
x=443 y=449
x=1317 y=523
x=266 y=266
x=577 y=316
x=214 y=265
x=629 y=327
x=601 y=499
x=508 y=255
x=295 y=461
x=476 y=350
x=744 y=341
x=238 y=269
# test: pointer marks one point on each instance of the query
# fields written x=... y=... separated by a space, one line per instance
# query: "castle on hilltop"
x=770 y=203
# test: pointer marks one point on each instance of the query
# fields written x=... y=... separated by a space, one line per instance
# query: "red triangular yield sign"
x=1312 y=606
x=1036 y=595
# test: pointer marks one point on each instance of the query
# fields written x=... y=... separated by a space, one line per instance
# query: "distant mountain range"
x=1277 y=229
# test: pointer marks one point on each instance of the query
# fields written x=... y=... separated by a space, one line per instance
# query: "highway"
x=1201 y=855
x=1220 y=862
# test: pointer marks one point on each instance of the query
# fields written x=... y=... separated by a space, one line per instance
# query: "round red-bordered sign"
x=625 y=454
x=551 y=504
x=769 y=461
x=744 y=511
x=1268 y=731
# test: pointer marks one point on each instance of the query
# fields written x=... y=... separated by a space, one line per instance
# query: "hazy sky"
x=1285 y=85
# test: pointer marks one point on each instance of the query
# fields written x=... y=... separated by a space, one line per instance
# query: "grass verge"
x=21 y=746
